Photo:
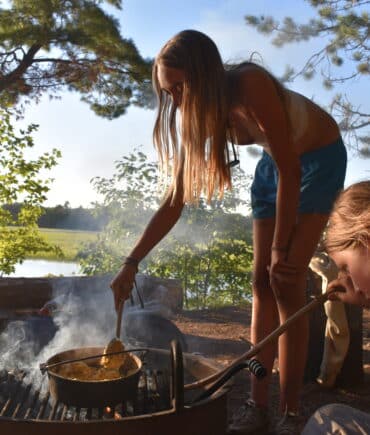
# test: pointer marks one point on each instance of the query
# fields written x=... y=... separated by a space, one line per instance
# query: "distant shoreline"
x=69 y=241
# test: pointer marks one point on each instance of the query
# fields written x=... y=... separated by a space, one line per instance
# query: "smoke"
x=76 y=322
x=194 y=234
x=82 y=317
x=15 y=346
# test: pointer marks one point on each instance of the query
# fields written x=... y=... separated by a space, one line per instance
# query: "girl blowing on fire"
x=348 y=244
x=203 y=107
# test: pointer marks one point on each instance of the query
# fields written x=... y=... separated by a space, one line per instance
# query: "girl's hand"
x=282 y=273
x=123 y=283
x=351 y=295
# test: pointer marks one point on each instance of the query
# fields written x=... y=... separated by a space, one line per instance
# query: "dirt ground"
x=223 y=335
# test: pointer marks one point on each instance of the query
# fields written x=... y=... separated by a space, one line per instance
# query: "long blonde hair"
x=201 y=162
x=349 y=223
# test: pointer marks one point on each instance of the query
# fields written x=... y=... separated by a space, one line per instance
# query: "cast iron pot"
x=91 y=394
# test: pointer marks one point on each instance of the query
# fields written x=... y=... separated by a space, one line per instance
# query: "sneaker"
x=291 y=424
x=249 y=419
x=327 y=381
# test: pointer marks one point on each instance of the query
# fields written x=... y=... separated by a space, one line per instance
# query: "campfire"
x=159 y=404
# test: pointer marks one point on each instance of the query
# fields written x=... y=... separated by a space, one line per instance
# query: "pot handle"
x=253 y=365
x=177 y=376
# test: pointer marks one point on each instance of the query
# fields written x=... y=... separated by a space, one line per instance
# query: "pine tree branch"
x=315 y=59
x=340 y=79
x=81 y=62
x=358 y=126
x=18 y=72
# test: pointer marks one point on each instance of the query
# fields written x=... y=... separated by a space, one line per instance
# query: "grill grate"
x=23 y=400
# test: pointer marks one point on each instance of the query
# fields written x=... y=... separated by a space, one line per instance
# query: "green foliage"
x=208 y=249
x=21 y=179
x=98 y=258
x=133 y=185
x=342 y=27
x=50 y=45
x=64 y=217
x=212 y=274
x=130 y=196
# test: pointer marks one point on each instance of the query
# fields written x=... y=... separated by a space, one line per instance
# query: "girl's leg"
x=293 y=343
x=264 y=309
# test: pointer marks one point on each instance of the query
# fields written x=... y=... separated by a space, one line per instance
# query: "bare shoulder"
x=254 y=85
x=249 y=75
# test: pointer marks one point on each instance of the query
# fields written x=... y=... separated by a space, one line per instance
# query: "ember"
x=111 y=413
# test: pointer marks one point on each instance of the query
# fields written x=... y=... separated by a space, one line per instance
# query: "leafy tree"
x=64 y=216
x=208 y=248
x=342 y=27
x=50 y=45
x=21 y=179
x=212 y=274
x=129 y=198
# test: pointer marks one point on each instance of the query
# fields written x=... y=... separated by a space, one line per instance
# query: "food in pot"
x=123 y=367
x=114 y=361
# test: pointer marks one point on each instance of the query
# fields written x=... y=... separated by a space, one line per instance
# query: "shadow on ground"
x=216 y=348
x=239 y=315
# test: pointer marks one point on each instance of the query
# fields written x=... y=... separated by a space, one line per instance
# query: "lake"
x=39 y=268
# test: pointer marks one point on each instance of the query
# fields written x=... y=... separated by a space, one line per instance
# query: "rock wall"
x=33 y=293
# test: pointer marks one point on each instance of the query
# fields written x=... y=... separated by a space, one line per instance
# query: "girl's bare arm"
x=161 y=223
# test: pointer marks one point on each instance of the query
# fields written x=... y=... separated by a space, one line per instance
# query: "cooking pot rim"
x=95 y=349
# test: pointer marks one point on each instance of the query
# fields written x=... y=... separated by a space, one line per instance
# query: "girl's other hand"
x=123 y=283
x=283 y=274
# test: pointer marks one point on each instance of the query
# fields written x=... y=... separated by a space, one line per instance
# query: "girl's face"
x=355 y=262
x=171 y=80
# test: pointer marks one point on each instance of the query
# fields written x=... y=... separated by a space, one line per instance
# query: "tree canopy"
x=47 y=46
x=342 y=27
x=21 y=179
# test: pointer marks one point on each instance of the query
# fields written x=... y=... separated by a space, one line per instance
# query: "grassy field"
x=70 y=242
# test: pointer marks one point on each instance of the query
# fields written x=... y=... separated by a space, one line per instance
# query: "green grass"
x=70 y=242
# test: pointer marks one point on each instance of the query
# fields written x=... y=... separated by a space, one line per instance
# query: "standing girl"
x=203 y=107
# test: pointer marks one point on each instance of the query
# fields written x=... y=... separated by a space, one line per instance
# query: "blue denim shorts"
x=322 y=177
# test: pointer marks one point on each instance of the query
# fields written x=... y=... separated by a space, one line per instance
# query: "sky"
x=91 y=145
